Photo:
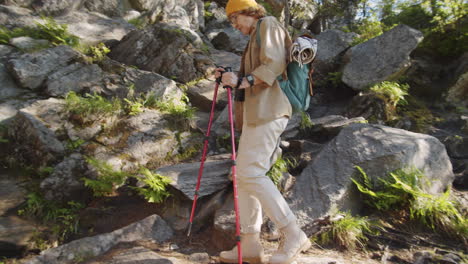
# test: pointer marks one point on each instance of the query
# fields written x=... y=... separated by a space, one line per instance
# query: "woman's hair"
x=257 y=12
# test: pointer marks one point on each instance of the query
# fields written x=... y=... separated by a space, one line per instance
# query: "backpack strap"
x=259 y=40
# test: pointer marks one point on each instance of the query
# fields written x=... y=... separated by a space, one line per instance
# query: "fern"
x=279 y=167
x=156 y=186
x=403 y=190
x=348 y=232
x=107 y=179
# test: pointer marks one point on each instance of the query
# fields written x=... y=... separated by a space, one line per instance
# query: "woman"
x=266 y=114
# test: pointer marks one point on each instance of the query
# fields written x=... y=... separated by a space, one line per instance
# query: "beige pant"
x=258 y=149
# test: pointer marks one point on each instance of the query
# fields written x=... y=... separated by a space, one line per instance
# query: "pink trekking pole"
x=233 y=167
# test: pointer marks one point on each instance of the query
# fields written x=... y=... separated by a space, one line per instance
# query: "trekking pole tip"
x=189 y=229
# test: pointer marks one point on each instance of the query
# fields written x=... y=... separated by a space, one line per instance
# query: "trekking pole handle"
x=227 y=69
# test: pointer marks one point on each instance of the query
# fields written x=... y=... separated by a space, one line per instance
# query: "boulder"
x=8 y=88
x=326 y=182
x=201 y=95
x=458 y=92
x=331 y=43
x=11 y=107
x=183 y=13
x=382 y=58
x=138 y=140
x=55 y=7
x=36 y=130
x=142 y=255
x=216 y=19
x=151 y=228
x=20 y=3
x=12 y=17
x=369 y=106
x=184 y=176
x=228 y=39
x=224 y=226
x=168 y=50
x=6 y=52
x=76 y=77
x=110 y=8
x=93 y=28
x=31 y=70
x=28 y=43
x=65 y=184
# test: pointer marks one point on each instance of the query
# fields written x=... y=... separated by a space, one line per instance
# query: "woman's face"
x=242 y=22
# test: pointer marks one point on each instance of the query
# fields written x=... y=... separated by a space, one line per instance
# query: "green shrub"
x=305 y=121
x=97 y=53
x=91 y=105
x=279 y=167
x=156 y=191
x=348 y=232
x=50 y=30
x=180 y=112
x=393 y=93
x=138 y=22
x=404 y=191
x=62 y=220
x=57 y=33
x=366 y=29
x=107 y=178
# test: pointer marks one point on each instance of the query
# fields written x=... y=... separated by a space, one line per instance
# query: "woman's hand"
x=218 y=72
x=229 y=79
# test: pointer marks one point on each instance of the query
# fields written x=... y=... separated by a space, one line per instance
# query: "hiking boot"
x=252 y=251
x=293 y=242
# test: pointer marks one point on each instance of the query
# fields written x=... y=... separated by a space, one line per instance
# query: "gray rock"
x=226 y=59
x=184 y=176
x=111 y=8
x=76 y=77
x=55 y=7
x=171 y=51
x=224 y=226
x=15 y=230
x=201 y=95
x=35 y=131
x=423 y=257
x=152 y=227
x=184 y=13
x=65 y=183
x=8 y=88
x=382 y=58
x=324 y=260
x=20 y=3
x=27 y=43
x=149 y=137
x=146 y=83
x=200 y=258
x=93 y=28
x=11 y=194
x=31 y=70
x=142 y=255
x=11 y=107
x=378 y=150
x=458 y=92
x=13 y=16
x=6 y=51
x=331 y=43
x=457 y=147
x=228 y=39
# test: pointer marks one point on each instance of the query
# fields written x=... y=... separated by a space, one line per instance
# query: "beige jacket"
x=266 y=102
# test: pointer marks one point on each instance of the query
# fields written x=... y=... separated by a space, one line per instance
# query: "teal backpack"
x=298 y=85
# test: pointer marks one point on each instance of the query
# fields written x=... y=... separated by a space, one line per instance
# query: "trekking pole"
x=205 y=149
x=233 y=169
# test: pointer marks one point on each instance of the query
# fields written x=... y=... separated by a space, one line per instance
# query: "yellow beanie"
x=238 y=5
